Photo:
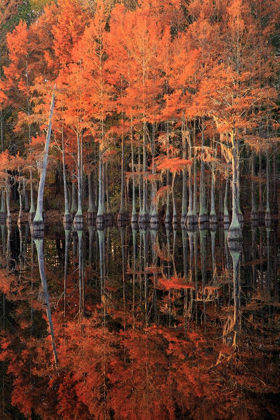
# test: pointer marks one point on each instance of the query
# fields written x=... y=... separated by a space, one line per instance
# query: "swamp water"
x=139 y=324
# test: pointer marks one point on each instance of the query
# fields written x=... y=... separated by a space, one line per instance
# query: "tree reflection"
x=170 y=329
x=40 y=253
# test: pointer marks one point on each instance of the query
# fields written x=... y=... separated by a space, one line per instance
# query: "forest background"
x=161 y=108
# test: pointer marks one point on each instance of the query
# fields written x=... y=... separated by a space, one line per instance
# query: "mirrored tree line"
x=104 y=322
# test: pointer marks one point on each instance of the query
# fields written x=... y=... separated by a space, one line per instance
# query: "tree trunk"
x=38 y=222
x=91 y=209
x=122 y=213
x=32 y=205
x=26 y=202
x=100 y=220
x=240 y=214
x=20 y=193
x=254 y=213
x=153 y=208
x=174 y=218
x=167 y=219
x=74 y=207
x=274 y=200
x=3 y=210
x=78 y=219
x=100 y=210
x=2 y=130
x=226 y=213
x=109 y=214
x=213 y=215
x=122 y=210
x=8 y=196
x=67 y=215
x=261 y=212
x=184 y=187
x=144 y=213
x=203 y=214
x=190 y=215
x=221 y=202
x=194 y=175
x=134 y=213
x=235 y=232
x=267 y=209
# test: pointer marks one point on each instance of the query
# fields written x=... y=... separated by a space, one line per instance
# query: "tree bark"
x=78 y=219
x=38 y=221
x=67 y=215
x=203 y=214
x=235 y=232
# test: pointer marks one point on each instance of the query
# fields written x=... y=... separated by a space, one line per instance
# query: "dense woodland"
x=160 y=110
x=141 y=112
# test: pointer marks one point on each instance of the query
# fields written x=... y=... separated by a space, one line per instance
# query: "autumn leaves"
x=152 y=85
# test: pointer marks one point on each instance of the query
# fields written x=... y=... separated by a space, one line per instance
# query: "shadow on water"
x=139 y=324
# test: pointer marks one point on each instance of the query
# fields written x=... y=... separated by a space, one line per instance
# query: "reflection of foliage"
x=139 y=374
x=151 y=344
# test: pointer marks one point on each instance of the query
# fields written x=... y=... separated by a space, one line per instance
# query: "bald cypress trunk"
x=226 y=213
x=203 y=214
x=122 y=216
x=8 y=196
x=73 y=197
x=78 y=219
x=143 y=216
x=260 y=209
x=184 y=187
x=2 y=130
x=91 y=207
x=174 y=218
x=254 y=213
x=153 y=209
x=38 y=222
x=100 y=211
x=267 y=209
x=134 y=213
x=213 y=215
x=167 y=219
x=100 y=220
x=2 y=210
x=190 y=218
x=194 y=175
x=21 y=195
x=67 y=215
x=235 y=232
x=32 y=205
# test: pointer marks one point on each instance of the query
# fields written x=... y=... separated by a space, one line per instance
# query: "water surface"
x=139 y=324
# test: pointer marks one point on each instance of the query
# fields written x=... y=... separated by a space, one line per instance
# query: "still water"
x=139 y=324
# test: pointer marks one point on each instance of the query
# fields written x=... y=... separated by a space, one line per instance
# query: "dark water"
x=126 y=324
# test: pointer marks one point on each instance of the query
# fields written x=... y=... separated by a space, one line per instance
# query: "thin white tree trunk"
x=39 y=211
x=203 y=215
x=32 y=205
x=79 y=213
x=235 y=232
x=67 y=216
